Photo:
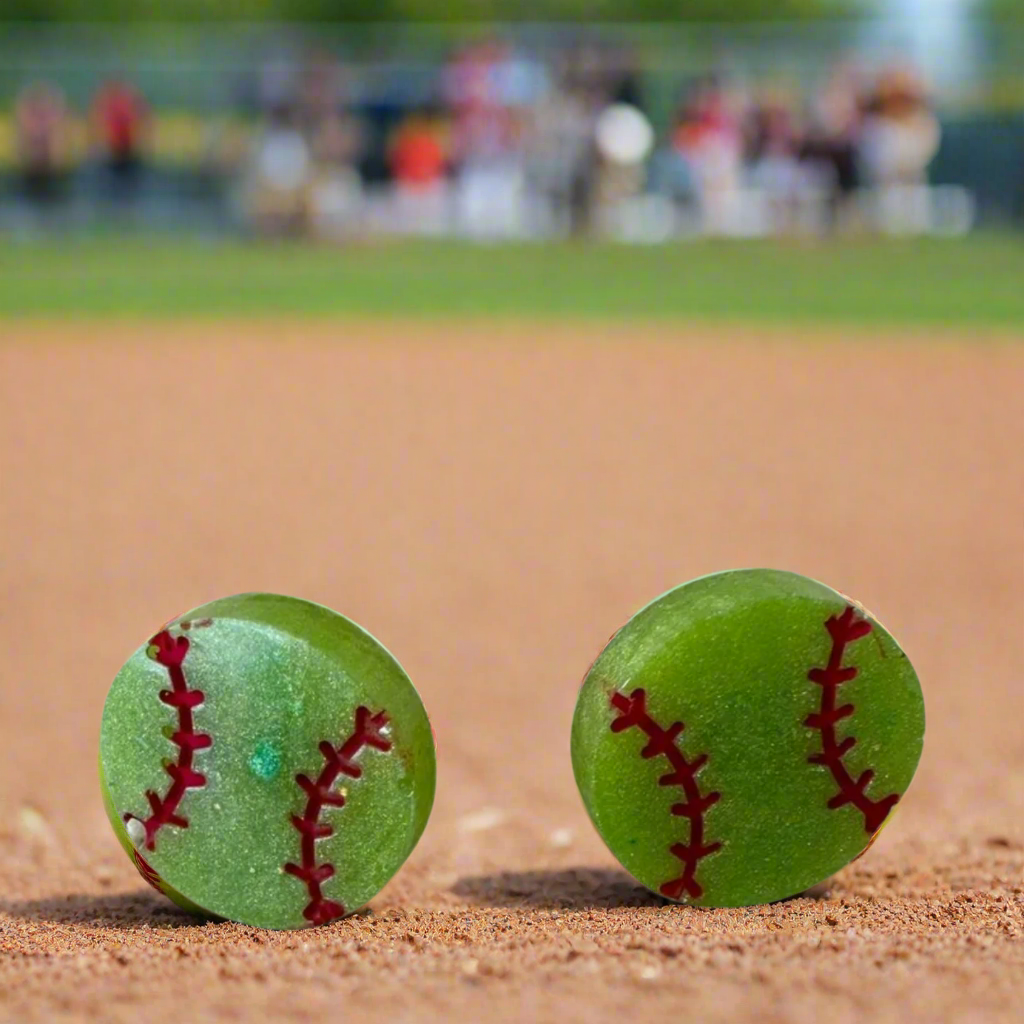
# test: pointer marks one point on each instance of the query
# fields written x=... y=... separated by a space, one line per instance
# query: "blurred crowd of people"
x=805 y=159
x=499 y=143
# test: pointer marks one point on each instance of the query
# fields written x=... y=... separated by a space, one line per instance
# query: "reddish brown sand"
x=493 y=503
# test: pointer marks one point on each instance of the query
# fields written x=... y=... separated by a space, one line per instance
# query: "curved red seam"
x=170 y=652
x=844 y=629
x=368 y=732
x=145 y=869
x=633 y=712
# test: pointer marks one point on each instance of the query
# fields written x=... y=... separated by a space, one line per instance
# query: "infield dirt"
x=492 y=503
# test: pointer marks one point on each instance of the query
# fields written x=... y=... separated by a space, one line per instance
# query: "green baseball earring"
x=264 y=759
x=744 y=736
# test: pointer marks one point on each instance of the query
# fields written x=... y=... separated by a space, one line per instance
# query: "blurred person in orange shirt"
x=418 y=157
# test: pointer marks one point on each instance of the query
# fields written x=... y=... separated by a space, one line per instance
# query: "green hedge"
x=1006 y=10
x=421 y=10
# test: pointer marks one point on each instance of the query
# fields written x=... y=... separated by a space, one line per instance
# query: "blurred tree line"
x=422 y=10
x=1006 y=10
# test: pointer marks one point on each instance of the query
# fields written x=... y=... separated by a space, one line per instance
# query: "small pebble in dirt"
x=481 y=821
x=34 y=826
x=561 y=838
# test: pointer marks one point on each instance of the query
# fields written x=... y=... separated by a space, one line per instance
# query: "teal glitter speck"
x=265 y=761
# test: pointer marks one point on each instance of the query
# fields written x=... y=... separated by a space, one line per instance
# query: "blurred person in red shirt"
x=120 y=122
x=709 y=137
x=491 y=88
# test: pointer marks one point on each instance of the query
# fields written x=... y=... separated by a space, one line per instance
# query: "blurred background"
x=638 y=120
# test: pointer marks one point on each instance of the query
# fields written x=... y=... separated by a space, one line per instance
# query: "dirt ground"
x=492 y=503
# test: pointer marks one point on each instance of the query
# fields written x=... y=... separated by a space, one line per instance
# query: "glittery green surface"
x=279 y=676
x=728 y=655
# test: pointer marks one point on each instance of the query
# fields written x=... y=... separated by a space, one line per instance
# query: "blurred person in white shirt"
x=901 y=138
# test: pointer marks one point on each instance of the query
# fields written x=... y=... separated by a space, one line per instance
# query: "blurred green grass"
x=978 y=282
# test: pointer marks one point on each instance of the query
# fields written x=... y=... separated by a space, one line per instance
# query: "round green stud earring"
x=265 y=760
x=745 y=736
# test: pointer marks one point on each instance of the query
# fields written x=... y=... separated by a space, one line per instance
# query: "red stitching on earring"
x=368 y=733
x=844 y=629
x=633 y=712
x=145 y=869
x=170 y=652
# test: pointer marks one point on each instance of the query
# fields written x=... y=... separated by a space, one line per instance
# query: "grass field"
x=976 y=283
